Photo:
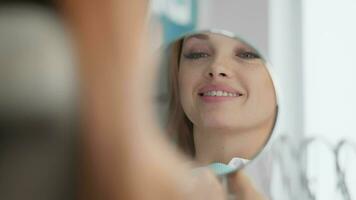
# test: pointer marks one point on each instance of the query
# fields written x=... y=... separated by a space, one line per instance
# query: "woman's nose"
x=222 y=74
x=217 y=71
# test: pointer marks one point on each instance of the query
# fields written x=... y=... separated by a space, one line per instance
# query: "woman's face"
x=224 y=84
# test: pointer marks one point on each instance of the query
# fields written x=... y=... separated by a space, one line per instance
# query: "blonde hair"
x=180 y=128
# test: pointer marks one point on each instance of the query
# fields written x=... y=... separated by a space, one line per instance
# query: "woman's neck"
x=221 y=145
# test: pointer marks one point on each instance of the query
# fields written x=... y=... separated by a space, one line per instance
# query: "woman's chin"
x=219 y=124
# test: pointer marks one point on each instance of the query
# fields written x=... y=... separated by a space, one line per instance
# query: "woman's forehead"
x=214 y=39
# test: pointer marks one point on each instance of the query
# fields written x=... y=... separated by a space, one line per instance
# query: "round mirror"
x=216 y=98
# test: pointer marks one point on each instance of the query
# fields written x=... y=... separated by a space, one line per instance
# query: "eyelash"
x=196 y=55
x=199 y=55
x=248 y=55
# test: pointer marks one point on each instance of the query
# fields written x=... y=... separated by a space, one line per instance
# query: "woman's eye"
x=196 y=55
x=248 y=55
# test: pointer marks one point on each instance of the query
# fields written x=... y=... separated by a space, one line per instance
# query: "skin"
x=236 y=127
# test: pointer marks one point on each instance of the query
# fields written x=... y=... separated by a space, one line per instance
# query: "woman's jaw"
x=223 y=144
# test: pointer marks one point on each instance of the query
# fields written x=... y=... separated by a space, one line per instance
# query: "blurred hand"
x=243 y=188
x=204 y=185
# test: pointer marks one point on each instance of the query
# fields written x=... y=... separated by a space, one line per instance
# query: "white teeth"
x=220 y=94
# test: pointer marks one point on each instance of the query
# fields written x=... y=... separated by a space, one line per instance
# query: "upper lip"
x=218 y=87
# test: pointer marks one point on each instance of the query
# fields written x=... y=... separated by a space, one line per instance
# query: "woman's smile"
x=214 y=93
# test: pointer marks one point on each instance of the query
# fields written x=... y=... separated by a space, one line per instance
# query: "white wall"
x=330 y=68
x=285 y=38
x=329 y=44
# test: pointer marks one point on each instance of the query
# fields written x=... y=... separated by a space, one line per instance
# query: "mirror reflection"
x=220 y=99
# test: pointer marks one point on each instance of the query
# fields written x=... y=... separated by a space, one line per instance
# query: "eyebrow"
x=198 y=36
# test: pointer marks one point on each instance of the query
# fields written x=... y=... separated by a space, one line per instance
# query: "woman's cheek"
x=184 y=86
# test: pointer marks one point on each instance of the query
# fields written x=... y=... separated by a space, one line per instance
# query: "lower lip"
x=217 y=99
